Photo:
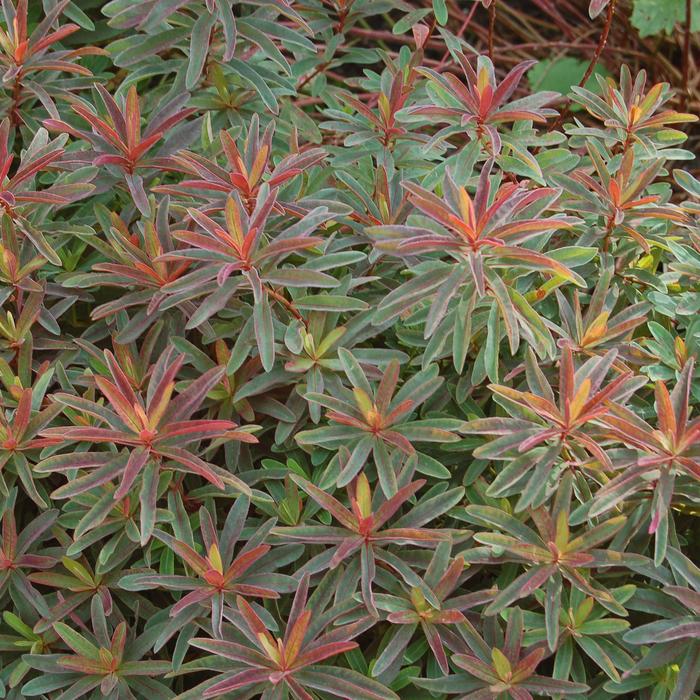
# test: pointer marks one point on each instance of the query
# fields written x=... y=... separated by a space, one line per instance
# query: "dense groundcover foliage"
x=344 y=355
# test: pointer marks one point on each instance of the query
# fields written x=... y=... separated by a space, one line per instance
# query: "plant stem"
x=288 y=305
x=492 y=26
x=686 y=53
x=591 y=66
x=446 y=56
x=15 y=118
x=608 y=233
x=601 y=43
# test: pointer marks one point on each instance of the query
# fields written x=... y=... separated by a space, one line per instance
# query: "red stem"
x=591 y=66
x=492 y=26
x=288 y=305
x=446 y=56
x=15 y=118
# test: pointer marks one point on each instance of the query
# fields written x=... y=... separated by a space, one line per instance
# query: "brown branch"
x=608 y=233
x=446 y=56
x=288 y=305
x=15 y=117
x=591 y=66
x=686 y=53
x=319 y=69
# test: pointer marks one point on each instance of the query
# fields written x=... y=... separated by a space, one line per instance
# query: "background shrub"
x=348 y=349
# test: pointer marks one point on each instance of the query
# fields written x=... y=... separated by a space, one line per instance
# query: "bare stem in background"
x=594 y=62
x=687 y=55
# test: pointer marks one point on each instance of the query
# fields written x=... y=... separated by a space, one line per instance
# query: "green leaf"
x=249 y=75
x=561 y=73
x=655 y=16
x=440 y=10
x=329 y=302
x=264 y=333
x=76 y=641
x=199 y=48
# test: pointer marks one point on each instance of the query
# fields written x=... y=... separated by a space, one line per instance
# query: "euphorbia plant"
x=605 y=324
x=134 y=259
x=20 y=435
x=19 y=195
x=362 y=533
x=17 y=558
x=619 y=198
x=112 y=662
x=482 y=103
x=289 y=663
x=241 y=257
x=377 y=422
x=453 y=301
x=482 y=240
x=587 y=632
x=154 y=431
x=507 y=671
x=670 y=451
x=80 y=583
x=118 y=140
x=245 y=170
x=438 y=623
x=553 y=553
x=25 y=53
x=630 y=113
x=543 y=432
x=220 y=576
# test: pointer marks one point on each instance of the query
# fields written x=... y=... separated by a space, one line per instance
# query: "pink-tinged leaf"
x=286 y=246
x=81 y=664
x=199 y=595
x=91 y=435
x=30 y=169
x=433 y=636
x=120 y=403
x=327 y=651
x=211 y=428
x=254 y=623
x=133 y=119
x=550 y=687
x=82 y=484
x=687 y=596
x=527 y=665
x=100 y=126
x=136 y=462
x=295 y=638
x=244 y=561
x=192 y=463
x=403 y=617
x=182 y=549
x=189 y=400
x=387 y=509
x=522 y=587
x=344 y=683
x=596 y=7
x=242 y=679
x=22 y=414
x=406 y=535
x=60 y=34
x=475 y=667
x=134 y=183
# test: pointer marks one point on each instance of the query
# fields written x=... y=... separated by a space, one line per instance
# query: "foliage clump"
x=345 y=353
